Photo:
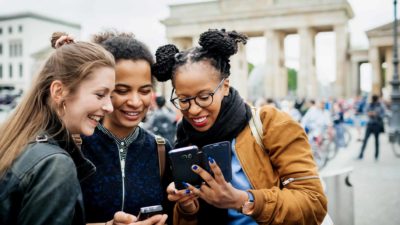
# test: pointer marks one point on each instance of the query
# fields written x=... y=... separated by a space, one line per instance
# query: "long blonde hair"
x=70 y=64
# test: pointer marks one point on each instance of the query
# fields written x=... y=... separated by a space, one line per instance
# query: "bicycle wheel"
x=395 y=143
x=320 y=156
x=347 y=137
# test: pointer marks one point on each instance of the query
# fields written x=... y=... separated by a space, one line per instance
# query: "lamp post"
x=394 y=131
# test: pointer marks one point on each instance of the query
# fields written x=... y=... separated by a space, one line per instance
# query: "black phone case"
x=221 y=153
x=182 y=160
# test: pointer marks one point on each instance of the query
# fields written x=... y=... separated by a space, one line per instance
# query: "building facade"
x=22 y=35
x=273 y=20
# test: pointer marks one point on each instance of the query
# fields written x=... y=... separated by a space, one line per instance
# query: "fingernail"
x=185 y=184
x=194 y=167
x=211 y=160
x=187 y=191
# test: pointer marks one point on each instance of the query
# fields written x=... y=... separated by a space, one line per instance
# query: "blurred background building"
x=278 y=26
x=24 y=39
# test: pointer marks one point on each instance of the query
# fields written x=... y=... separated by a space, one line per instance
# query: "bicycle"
x=323 y=146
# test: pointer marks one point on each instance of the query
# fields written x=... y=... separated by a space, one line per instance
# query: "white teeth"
x=199 y=120
x=132 y=113
x=96 y=118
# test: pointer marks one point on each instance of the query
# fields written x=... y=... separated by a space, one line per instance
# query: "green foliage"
x=292 y=79
x=250 y=67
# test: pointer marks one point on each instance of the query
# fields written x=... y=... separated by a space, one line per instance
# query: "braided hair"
x=215 y=45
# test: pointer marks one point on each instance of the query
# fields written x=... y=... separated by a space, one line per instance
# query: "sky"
x=143 y=19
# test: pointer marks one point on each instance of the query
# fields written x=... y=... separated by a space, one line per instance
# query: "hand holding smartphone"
x=149 y=211
x=182 y=160
x=221 y=153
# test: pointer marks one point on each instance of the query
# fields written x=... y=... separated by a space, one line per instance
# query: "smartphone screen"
x=182 y=160
x=149 y=211
x=221 y=153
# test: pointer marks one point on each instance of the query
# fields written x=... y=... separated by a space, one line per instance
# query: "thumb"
x=121 y=217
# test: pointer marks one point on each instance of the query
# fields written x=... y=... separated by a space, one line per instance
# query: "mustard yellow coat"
x=288 y=155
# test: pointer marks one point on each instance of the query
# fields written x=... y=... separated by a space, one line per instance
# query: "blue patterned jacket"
x=103 y=192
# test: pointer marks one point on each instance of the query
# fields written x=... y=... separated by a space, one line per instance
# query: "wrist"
x=247 y=206
x=188 y=208
x=243 y=197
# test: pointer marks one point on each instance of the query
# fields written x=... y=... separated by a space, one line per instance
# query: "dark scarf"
x=232 y=119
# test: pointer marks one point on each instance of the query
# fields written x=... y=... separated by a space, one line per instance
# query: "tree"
x=292 y=79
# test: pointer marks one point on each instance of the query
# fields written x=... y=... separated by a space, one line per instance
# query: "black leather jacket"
x=42 y=186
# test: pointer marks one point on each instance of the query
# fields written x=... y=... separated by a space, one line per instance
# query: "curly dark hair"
x=123 y=45
x=215 y=45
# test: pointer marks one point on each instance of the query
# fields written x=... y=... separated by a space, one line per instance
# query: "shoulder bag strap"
x=161 y=154
x=256 y=126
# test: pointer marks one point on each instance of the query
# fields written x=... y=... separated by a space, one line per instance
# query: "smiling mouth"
x=95 y=118
x=199 y=121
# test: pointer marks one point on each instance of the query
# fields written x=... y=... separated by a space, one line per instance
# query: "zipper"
x=123 y=183
x=290 y=180
x=122 y=163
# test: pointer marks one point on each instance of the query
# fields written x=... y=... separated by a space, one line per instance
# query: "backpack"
x=163 y=126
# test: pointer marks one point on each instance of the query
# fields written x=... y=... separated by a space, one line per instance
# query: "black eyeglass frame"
x=188 y=99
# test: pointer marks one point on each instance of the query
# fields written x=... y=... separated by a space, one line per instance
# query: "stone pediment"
x=383 y=30
x=222 y=10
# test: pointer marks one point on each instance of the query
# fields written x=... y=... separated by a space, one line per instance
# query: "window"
x=15 y=48
x=20 y=28
x=10 y=68
x=1 y=49
x=1 y=30
x=11 y=49
x=10 y=30
x=1 y=71
x=21 y=71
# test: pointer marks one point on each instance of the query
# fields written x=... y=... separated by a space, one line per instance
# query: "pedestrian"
x=40 y=166
x=261 y=190
x=162 y=120
x=375 y=125
x=128 y=159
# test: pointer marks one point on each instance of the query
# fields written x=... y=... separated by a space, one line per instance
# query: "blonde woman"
x=40 y=166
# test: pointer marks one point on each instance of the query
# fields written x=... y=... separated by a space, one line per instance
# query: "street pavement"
x=376 y=184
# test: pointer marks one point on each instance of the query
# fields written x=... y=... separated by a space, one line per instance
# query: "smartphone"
x=149 y=211
x=221 y=153
x=182 y=160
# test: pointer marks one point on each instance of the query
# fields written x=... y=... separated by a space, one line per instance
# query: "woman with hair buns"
x=275 y=185
x=40 y=166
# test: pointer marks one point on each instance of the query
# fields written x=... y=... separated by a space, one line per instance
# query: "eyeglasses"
x=202 y=100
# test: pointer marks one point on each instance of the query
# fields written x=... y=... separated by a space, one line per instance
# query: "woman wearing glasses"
x=212 y=112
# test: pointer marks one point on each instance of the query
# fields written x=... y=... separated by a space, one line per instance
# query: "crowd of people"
x=89 y=143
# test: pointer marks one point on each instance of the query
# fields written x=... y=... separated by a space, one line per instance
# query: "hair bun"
x=165 y=61
x=55 y=36
x=221 y=42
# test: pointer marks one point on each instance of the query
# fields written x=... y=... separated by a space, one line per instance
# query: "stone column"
x=307 y=84
x=355 y=81
x=389 y=72
x=239 y=71
x=182 y=43
x=342 y=78
x=375 y=61
x=275 y=84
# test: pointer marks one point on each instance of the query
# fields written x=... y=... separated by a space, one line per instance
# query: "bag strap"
x=256 y=126
x=161 y=154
